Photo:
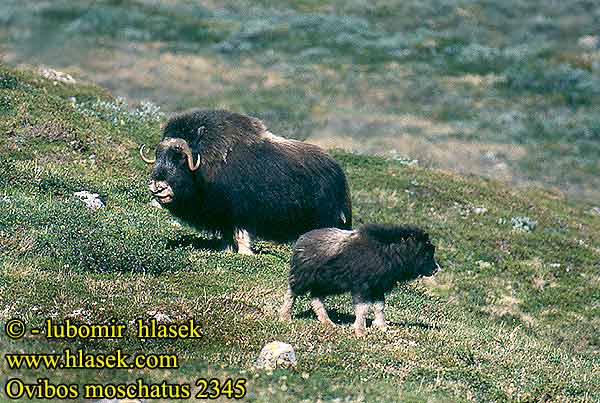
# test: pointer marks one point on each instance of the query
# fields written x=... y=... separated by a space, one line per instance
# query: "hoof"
x=246 y=252
x=360 y=331
x=381 y=326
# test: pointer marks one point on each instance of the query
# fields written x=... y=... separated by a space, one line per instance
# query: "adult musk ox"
x=367 y=262
x=225 y=172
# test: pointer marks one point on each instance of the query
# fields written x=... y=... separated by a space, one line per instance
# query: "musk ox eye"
x=177 y=157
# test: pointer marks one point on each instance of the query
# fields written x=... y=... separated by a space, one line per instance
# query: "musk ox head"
x=407 y=246
x=209 y=132
x=173 y=175
x=425 y=263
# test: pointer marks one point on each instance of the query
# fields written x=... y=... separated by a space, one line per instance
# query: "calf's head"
x=425 y=262
x=173 y=175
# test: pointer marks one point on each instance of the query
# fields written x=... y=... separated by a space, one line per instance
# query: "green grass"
x=513 y=316
x=482 y=78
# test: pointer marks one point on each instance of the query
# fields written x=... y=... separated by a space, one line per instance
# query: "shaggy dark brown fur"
x=249 y=181
x=367 y=262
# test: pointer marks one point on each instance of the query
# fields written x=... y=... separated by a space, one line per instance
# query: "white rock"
x=91 y=200
x=589 y=41
x=276 y=355
x=55 y=75
x=79 y=313
x=489 y=156
x=159 y=316
x=480 y=210
x=483 y=265
x=596 y=210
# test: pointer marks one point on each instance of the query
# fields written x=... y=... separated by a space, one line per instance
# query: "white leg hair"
x=320 y=311
x=361 y=309
x=379 y=321
x=243 y=240
x=285 y=312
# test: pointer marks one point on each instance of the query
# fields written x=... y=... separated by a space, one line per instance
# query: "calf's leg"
x=361 y=307
x=320 y=311
x=379 y=321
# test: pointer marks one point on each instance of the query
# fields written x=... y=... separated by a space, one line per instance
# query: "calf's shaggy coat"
x=225 y=172
x=367 y=262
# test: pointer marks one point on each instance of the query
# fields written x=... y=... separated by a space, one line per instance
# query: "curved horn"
x=184 y=147
x=144 y=158
x=190 y=158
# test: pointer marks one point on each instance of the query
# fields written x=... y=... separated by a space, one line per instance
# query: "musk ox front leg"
x=237 y=240
x=243 y=241
x=229 y=242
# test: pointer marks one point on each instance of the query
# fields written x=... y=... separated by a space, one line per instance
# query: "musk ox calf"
x=367 y=262
x=225 y=172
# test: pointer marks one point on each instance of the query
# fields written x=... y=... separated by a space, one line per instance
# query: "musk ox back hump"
x=283 y=188
x=389 y=233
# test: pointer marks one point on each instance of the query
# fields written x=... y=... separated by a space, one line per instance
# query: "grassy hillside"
x=505 y=89
x=513 y=317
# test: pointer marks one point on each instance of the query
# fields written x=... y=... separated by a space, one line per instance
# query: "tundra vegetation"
x=506 y=89
x=512 y=317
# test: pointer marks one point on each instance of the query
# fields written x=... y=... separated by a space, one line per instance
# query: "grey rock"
x=91 y=200
x=276 y=355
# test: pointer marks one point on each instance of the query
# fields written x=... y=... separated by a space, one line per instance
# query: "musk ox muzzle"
x=161 y=190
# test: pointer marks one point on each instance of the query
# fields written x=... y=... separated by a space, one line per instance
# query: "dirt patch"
x=475 y=80
x=48 y=130
x=491 y=160
x=150 y=71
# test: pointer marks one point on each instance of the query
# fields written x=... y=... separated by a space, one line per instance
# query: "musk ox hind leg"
x=361 y=308
x=379 y=321
x=285 y=312
x=320 y=311
x=243 y=241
